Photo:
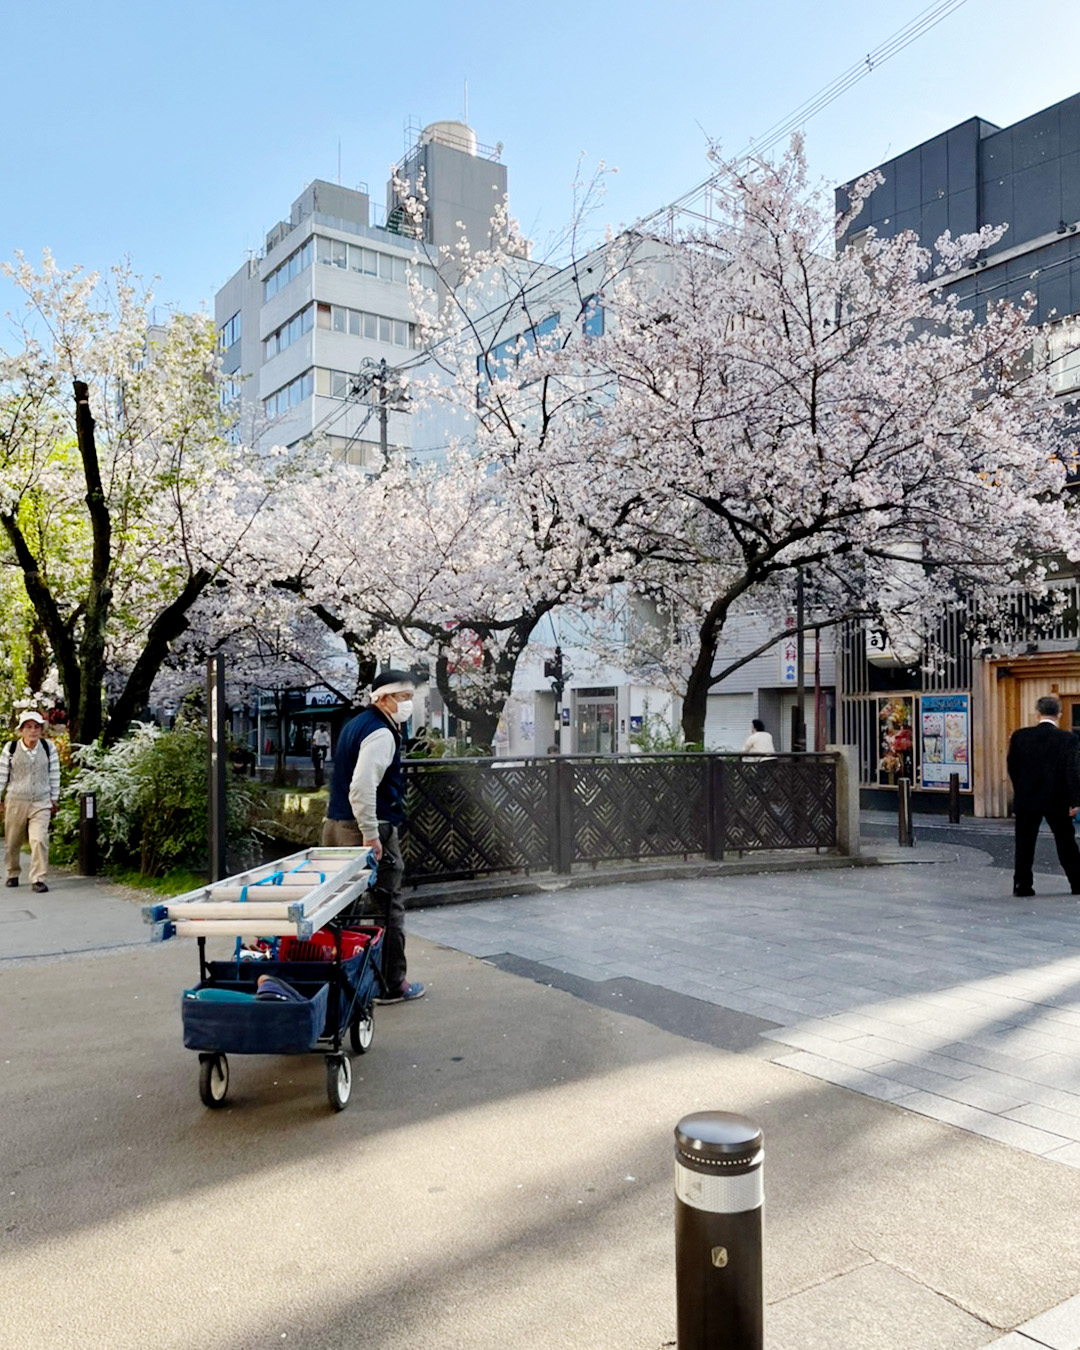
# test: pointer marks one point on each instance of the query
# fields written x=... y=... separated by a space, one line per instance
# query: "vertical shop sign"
x=945 y=733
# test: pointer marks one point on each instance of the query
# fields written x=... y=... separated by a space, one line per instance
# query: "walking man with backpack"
x=30 y=787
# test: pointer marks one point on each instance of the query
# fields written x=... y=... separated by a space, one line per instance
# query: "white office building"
x=312 y=327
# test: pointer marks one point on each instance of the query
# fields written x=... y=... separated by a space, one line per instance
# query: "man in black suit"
x=1046 y=786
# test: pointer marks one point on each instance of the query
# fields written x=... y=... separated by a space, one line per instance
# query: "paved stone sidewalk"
x=924 y=985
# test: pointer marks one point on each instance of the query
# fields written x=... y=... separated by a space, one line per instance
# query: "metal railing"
x=476 y=817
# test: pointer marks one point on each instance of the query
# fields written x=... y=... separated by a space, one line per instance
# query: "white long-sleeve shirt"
x=375 y=756
x=759 y=743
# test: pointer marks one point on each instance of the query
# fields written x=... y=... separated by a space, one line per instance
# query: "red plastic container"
x=320 y=946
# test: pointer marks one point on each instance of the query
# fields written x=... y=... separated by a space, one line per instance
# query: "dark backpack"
x=43 y=741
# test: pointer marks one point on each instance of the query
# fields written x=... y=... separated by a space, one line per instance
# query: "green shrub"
x=657 y=736
x=291 y=816
x=151 y=801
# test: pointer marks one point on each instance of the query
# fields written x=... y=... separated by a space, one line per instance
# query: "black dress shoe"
x=1022 y=891
x=39 y=886
x=12 y=881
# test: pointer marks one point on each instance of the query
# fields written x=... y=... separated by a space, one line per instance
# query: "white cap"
x=32 y=717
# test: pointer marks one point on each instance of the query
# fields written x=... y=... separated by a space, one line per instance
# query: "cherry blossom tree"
x=122 y=496
x=463 y=554
x=456 y=558
x=777 y=404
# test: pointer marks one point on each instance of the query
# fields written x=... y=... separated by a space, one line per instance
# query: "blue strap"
x=301 y=866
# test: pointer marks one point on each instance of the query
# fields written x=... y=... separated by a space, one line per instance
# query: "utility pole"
x=384 y=412
x=553 y=671
x=799 y=737
x=381 y=388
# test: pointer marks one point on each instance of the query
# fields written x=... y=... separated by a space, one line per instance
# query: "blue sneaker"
x=407 y=993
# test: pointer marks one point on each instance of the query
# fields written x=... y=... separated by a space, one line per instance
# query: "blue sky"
x=176 y=135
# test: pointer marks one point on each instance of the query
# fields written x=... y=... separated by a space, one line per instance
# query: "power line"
x=922 y=23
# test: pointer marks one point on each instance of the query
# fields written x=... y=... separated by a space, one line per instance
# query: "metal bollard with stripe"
x=719 y=1189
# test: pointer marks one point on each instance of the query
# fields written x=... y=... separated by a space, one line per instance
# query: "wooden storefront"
x=1003 y=698
x=999 y=693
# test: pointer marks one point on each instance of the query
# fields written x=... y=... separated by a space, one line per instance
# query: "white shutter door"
x=727 y=721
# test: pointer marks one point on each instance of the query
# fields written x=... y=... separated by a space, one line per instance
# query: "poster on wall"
x=946 y=739
x=895 y=740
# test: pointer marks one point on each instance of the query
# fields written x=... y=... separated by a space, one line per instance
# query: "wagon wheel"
x=338 y=1080
x=362 y=1030
x=213 y=1080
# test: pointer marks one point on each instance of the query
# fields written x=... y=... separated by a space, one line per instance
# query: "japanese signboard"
x=945 y=735
x=788 y=649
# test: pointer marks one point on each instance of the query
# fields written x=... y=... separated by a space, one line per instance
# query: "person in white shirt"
x=30 y=784
x=367 y=807
x=760 y=741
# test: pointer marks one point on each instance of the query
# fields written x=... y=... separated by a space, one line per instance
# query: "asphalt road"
x=994 y=837
x=503 y=1176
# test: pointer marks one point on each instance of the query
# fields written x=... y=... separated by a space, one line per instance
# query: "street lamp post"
x=216 y=757
x=799 y=737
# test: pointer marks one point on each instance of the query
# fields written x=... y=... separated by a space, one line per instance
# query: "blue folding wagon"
x=301 y=974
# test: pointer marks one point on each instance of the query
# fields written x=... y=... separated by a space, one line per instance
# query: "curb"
x=495 y=888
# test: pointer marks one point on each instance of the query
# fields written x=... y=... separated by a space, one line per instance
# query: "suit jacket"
x=1043 y=768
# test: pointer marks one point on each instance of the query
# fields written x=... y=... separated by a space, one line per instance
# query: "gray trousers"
x=385 y=893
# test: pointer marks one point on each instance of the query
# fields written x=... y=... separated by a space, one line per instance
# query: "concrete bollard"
x=719 y=1189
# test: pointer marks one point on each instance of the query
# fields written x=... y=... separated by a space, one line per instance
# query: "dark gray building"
x=957 y=716
x=1026 y=176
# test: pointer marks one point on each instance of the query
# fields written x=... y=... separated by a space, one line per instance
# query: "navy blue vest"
x=390 y=794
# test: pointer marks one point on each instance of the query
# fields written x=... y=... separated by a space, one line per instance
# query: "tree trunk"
x=90 y=711
x=482 y=722
x=696 y=701
x=37 y=663
x=56 y=629
x=165 y=629
x=279 y=750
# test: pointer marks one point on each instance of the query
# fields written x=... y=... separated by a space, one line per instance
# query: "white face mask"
x=403 y=711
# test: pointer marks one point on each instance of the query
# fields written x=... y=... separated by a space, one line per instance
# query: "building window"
x=592 y=319
x=357 y=323
x=289 y=332
x=500 y=361
x=1063 y=353
x=334 y=383
x=229 y=332
x=371 y=262
x=293 y=265
x=290 y=395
